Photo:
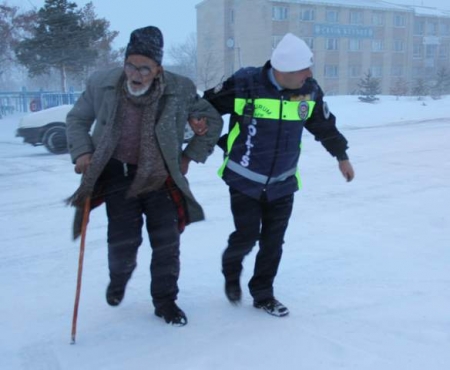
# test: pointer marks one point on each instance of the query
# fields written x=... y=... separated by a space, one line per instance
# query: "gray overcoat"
x=96 y=106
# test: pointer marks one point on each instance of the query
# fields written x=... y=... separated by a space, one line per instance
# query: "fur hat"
x=147 y=41
x=291 y=54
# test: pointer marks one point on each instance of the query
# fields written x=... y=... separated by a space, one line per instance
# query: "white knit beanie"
x=291 y=54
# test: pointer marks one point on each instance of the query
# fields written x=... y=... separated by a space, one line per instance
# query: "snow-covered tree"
x=369 y=87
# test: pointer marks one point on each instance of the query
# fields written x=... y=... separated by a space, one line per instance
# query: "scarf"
x=151 y=172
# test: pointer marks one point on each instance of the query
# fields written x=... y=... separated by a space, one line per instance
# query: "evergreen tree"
x=442 y=83
x=420 y=88
x=62 y=39
x=400 y=87
x=107 y=57
x=369 y=88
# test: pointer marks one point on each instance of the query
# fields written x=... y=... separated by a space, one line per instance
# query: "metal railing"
x=32 y=101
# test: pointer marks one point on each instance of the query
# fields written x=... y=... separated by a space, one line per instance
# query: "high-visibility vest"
x=263 y=151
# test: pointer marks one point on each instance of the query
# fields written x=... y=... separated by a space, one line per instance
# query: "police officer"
x=269 y=107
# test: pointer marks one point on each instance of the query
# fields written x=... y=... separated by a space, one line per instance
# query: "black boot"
x=115 y=293
x=233 y=291
x=272 y=307
x=172 y=314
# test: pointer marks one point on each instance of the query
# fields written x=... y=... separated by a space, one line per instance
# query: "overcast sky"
x=175 y=18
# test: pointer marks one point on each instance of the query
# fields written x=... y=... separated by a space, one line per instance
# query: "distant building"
x=348 y=38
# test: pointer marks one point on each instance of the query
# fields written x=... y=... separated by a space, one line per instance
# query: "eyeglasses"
x=131 y=68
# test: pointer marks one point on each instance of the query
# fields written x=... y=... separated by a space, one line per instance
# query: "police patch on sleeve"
x=326 y=110
x=303 y=110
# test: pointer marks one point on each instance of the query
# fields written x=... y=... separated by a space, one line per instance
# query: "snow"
x=370 y=4
x=436 y=9
x=433 y=12
x=365 y=270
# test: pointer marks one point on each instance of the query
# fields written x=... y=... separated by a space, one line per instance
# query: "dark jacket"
x=264 y=140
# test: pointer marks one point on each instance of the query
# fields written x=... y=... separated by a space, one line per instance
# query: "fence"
x=32 y=101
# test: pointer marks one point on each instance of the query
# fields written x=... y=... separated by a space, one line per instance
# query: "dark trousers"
x=125 y=221
x=257 y=220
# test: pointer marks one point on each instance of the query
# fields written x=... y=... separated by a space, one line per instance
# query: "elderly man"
x=269 y=107
x=135 y=161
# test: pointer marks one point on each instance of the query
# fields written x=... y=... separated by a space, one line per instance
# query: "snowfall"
x=365 y=270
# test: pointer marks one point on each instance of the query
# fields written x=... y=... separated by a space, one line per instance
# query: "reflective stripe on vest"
x=267 y=109
x=234 y=133
x=276 y=109
x=256 y=177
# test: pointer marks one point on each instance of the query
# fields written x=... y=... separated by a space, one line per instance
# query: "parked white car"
x=46 y=127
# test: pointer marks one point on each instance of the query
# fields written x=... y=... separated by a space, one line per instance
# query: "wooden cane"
x=87 y=209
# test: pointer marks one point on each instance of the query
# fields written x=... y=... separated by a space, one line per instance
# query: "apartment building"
x=348 y=38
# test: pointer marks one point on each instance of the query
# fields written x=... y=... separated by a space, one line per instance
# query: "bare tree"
x=184 y=57
x=208 y=71
x=14 y=25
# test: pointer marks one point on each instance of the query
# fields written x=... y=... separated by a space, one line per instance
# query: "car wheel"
x=55 y=140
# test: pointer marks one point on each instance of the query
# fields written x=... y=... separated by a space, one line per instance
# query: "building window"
x=417 y=50
x=377 y=45
x=331 y=44
x=443 y=52
x=417 y=71
x=444 y=29
x=377 y=71
x=398 y=46
x=419 y=27
x=231 y=16
x=430 y=51
x=432 y=28
x=331 y=71
x=332 y=16
x=279 y=13
x=356 y=17
x=399 y=20
x=307 y=15
x=309 y=41
x=354 y=71
x=397 y=71
x=275 y=41
x=377 y=19
x=354 y=44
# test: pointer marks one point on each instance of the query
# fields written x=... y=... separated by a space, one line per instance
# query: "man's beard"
x=138 y=92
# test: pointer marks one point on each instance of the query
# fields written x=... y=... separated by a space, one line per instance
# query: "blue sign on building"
x=337 y=30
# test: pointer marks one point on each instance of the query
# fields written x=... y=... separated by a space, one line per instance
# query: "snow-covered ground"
x=365 y=271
